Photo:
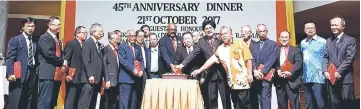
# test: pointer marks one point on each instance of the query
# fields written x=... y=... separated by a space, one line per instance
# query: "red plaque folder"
x=17 y=69
x=58 y=75
x=332 y=70
x=269 y=75
x=71 y=72
x=287 y=66
x=137 y=65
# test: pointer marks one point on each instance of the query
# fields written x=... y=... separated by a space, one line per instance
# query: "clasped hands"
x=258 y=74
x=137 y=73
x=327 y=75
x=284 y=74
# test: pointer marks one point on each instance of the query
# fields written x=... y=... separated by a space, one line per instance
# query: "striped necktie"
x=30 y=52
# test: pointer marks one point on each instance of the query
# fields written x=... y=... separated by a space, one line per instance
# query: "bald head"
x=171 y=30
x=262 y=31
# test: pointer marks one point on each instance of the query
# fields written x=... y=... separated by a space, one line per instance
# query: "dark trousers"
x=284 y=92
x=73 y=91
x=241 y=99
x=314 y=94
x=88 y=96
x=22 y=95
x=253 y=95
x=213 y=87
x=263 y=91
x=339 y=92
x=139 y=87
x=48 y=93
x=128 y=96
x=109 y=99
x=204 y=92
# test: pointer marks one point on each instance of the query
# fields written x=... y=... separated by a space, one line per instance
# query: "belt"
x=154 y=73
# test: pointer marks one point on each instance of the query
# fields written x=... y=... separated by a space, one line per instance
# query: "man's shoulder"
x=348 y=38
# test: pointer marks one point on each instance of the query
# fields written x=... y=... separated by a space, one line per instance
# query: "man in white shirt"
x=154 y=59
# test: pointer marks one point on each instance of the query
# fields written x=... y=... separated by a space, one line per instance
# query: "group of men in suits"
x=119 y=70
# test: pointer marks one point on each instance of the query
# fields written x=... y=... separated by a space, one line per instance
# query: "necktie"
x=98 y=46
x=174 y=44
x=31 y=56
x=132 y=47
x=116 y=56
x=189 y=51
x=337 y=39
x=57 y=52
x=261 y=45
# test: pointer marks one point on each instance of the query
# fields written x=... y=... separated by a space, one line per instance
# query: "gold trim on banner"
x=62 y=91
x=290 y=21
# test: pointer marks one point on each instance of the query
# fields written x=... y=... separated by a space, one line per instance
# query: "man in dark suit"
x=168 y=45
x=50 y=59
x=145 y=50
x=340 y=51
x=264 y=52
x=216 y=79
x=111 y=70
x=183 y=52
x=22 y=48
x=288 y=82
x=153 y=58
x=129 y=52
x=72 y=58
x=92 y=68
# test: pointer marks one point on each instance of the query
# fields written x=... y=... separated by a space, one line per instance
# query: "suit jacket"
x=342 y=55
x=126 y=60
x=205 y=49
x=167 y=50
x=72 y=53
x=47 y=56
x=111 y=68
x=18 y=51
x=295 y=57
x=92 y=62
x=193 y=65
x=267 y=56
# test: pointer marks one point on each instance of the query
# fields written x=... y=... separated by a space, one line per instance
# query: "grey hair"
x=343 y=22
x=250 y=29
x=226 y=27
x=110 y=35
x=93 y=28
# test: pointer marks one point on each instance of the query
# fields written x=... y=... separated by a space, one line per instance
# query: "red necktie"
x=115 y=54
x=57 y=52
x=174 y=44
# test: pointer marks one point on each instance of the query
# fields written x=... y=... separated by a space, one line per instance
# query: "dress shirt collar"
x=26 y=36
x=54 y=36
x=312 y=38
x=112 y=46
x=340 y=35
x=190 y=48
x=154 y=49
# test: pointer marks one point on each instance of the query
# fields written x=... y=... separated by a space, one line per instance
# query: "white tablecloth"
x=4 y=85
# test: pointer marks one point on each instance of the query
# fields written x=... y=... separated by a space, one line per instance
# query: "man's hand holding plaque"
x=268 y=76
x=137 y=68
x=286 y=69
x=332 y=74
